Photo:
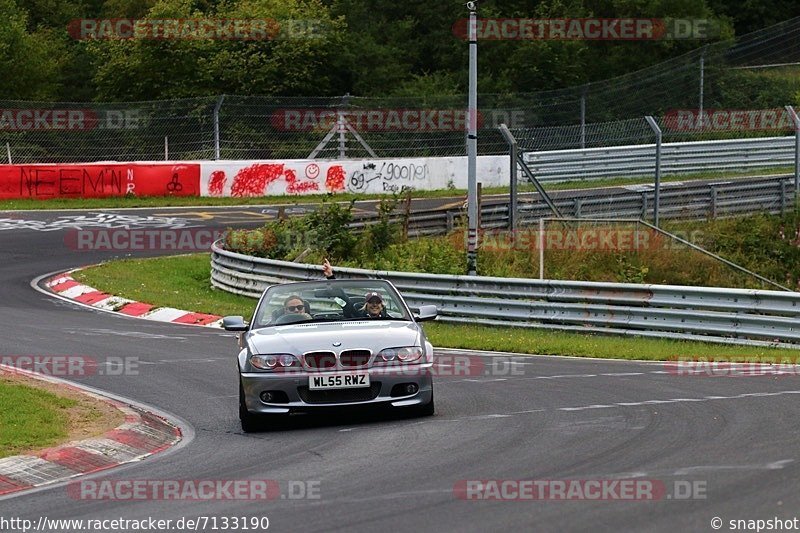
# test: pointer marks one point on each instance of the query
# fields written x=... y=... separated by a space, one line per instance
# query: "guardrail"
x=676 y=158
x=694 y=200
x=738 y=316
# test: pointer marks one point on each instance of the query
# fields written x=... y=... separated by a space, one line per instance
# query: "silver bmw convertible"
x=314 y=345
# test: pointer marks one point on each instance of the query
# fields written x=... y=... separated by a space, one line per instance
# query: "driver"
x=293 y=305
x=373 y=302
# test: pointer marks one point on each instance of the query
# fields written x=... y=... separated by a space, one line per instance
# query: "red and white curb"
x=65 y=286
x=142 y=435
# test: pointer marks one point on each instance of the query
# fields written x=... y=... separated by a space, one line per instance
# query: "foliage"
x=30 y=60
x=362 y=47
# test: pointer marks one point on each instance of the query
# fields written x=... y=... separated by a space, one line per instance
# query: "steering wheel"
x=291 y=318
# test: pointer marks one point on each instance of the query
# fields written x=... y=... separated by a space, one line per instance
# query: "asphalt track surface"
x=551 y=418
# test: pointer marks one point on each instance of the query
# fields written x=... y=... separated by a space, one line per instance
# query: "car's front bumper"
x=298 y=397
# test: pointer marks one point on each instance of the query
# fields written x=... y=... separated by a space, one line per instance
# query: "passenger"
x=373 y=302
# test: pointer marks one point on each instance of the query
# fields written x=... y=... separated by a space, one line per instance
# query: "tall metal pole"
x=472 y=144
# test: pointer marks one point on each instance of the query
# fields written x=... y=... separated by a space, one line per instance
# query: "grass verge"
x=155 y=280
x=36 y=415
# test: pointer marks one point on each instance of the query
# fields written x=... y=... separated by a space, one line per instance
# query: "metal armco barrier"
x=676 y=158
x=693 y=200
x=698 y=313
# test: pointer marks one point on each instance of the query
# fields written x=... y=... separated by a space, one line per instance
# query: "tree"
x=30 y=62
x=291 y=63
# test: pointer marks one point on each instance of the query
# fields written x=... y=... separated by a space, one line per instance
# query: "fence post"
x=216 y=127
x=796 y=123
x=713 y=202
x=166 y=148
x=8 y=151
x=702 y=83
x=657 y=189
x=512 y=191
x=583 y=116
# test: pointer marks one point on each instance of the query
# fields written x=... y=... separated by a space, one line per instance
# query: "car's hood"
x=296 y=339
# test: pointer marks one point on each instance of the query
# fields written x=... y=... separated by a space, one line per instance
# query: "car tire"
x=428 y=409
x=250 y=422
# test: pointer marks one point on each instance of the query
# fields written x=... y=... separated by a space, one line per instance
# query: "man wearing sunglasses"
x=293 y=305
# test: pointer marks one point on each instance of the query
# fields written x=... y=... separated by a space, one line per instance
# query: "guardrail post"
x=450 y=221
x=654 y=126
x=578 y=206
x=541 y=248
x=713 y=202
x=782 y=185
x=796 y=122
x=216 y=127
x=644 y=205
x=512 y=191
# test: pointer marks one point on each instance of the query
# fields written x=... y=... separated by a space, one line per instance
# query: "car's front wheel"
x=426 y=410
x=250 y=422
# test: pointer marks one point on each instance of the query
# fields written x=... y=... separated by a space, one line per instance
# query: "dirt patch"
x=89 y=418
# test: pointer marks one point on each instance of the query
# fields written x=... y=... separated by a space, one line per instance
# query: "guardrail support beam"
x=512 y=189
x=657 y=185
x=796 y=122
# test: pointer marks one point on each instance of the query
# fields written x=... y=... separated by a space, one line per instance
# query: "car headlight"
x=406 y=354
x=273 y=361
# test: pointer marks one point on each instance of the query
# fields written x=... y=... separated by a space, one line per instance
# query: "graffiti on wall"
x=296 y=177
x=255 y=179
x=97 y=181
x=388 y=176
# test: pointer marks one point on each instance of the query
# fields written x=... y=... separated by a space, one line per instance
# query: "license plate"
x=338 y=381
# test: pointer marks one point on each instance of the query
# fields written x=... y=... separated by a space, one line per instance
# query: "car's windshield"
x=337 y=300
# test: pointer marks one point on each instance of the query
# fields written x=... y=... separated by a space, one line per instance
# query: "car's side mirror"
x=234 y=323
x=426 y=312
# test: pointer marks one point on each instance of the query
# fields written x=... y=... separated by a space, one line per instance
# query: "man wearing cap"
x=373 y=302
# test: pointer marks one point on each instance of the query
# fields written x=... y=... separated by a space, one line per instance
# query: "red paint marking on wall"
x=334 y=181
x=296 y=187
x=253 y=180
x=217 y=183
